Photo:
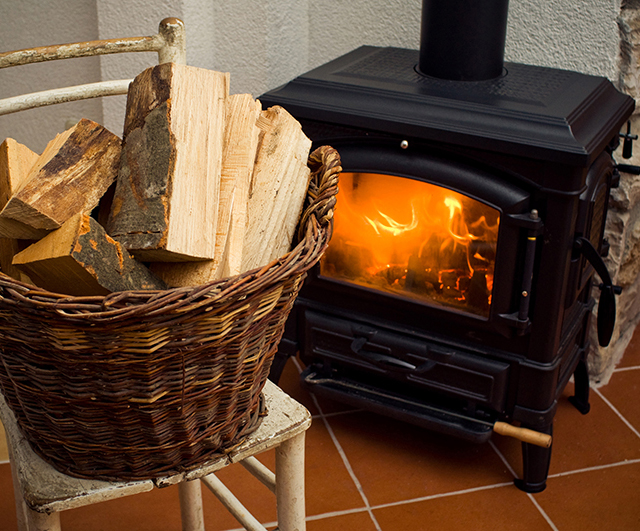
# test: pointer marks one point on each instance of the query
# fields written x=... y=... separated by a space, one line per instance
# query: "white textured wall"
x=264 y=43
x=577 y=35
x=28 y=23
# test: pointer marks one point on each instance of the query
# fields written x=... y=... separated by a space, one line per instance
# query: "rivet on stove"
x=404 y=144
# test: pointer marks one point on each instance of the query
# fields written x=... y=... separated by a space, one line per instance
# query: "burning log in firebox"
x=414 y=239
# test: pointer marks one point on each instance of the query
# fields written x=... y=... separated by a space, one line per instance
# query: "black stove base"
x=536 y=459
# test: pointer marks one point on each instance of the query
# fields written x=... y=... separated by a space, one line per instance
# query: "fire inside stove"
x=414 y=239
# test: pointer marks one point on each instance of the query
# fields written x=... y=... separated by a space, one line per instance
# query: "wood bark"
x=166 y=200
x=81 y=259
x=70 y=177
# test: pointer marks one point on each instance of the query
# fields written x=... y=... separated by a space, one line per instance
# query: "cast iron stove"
x=457 y=288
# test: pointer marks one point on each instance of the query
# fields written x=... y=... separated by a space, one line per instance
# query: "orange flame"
x=413 y=237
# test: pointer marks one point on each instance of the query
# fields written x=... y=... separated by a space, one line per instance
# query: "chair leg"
x=42 y=521
x=290 y=496
x=190 y=493
x=28 y=519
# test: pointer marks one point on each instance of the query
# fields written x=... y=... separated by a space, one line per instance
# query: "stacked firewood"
x=203 y=185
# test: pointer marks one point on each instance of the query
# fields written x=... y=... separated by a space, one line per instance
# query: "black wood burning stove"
x=456 y=290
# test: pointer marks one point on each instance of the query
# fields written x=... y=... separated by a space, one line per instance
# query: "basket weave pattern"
x=145 y=384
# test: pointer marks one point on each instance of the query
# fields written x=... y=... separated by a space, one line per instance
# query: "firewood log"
x=81 y=259
x=16 y=161
x=280 y=165
x=166 y=200
x=241 y=140
x=70 y=177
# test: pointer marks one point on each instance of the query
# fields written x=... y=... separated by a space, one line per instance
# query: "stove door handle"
x=607 y=304
x=381 y=359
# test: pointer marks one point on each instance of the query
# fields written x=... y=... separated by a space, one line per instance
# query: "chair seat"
x=45 y=489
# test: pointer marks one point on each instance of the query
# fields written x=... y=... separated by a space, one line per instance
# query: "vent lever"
x=389 y=361
x=627 y=144
x=607 y=303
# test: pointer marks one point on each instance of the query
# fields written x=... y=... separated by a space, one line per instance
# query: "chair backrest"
x=169 y=43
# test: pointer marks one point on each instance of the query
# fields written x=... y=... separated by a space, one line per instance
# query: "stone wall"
x=623 y=220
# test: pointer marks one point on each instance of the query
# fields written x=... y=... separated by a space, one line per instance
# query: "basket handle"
x=325 y=167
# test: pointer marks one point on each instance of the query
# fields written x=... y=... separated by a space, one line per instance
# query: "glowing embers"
x=414 y=239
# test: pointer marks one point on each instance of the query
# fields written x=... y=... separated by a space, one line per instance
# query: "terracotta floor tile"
x=631 y=357
x=395 y=461
x=580 y=441
x=328 y=484
x=290 y=383
x=621 y=386
x=493 y=509
x=606 y=499
x=142 y=512
x=4 y=453
x=360 y=521
x=7 y=502
x=259 y=500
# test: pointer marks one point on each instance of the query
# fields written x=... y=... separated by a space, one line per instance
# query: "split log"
x=280 y=166
x=240 y=143
x=166 y=200
x=70 y=177
x=16 y=161
x=81 y=259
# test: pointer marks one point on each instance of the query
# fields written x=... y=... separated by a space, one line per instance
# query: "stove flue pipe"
x=463 y=40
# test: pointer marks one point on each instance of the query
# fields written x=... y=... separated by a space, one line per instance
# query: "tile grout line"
x=615 y=410
x=347 y=465
x=336 y=414
x=529 y=495
x=342 y=454
x=465 y=491
x=594 y=468
x=624 y=369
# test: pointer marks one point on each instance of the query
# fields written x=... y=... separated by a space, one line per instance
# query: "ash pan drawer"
x=418 y=361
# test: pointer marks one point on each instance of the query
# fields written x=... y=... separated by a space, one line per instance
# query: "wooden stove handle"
x=523 y=434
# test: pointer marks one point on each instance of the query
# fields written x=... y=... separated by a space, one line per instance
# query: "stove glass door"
x=413 y=239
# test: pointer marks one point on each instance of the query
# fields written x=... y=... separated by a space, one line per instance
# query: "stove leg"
x=535 y=465
x=580 y=399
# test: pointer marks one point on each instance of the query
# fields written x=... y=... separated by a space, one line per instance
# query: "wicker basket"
x=145 y=384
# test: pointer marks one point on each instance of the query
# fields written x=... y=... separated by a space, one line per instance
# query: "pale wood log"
x=240 y=143
x=16 y=161
x=8 y=249
x=282 y=147
x=81 y=259
x=298 y=183
x=70 y=177
x=165 y=204
x=240 y=152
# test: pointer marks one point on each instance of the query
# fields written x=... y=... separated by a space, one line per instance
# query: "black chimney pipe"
x=463 y=40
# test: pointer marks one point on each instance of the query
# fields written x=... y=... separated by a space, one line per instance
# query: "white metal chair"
x=169 y=43
x=41 y=491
